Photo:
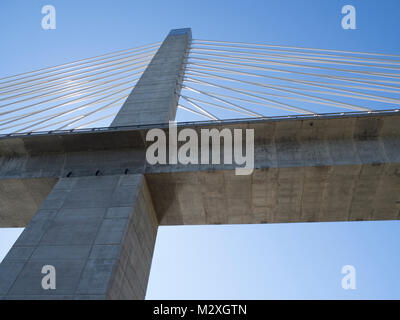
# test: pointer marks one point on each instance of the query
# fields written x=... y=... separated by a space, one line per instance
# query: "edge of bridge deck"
x=108 y=138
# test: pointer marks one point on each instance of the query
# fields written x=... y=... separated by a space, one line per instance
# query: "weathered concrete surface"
x=155 y=96
x=285 y=143
x=269 y=195
x=98 y=232
x=21 y=198
x=333 y=152
x=97 y=226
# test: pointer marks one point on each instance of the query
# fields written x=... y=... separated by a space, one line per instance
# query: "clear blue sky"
x=250 y=261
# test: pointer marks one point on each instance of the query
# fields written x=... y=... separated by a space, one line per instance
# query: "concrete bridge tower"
x=99 y=231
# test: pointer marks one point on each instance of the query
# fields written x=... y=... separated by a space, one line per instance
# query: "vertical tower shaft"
x=155 y=96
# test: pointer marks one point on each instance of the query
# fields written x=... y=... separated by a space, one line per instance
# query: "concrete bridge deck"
x=311 y=169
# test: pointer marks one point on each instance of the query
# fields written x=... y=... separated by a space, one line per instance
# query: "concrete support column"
x=99 y=234
x=155 y=96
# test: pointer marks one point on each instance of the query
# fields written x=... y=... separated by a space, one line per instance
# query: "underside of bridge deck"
x=336 y=169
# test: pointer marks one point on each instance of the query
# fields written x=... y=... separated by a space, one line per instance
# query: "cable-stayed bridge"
x=222 y=80
x=72 y=153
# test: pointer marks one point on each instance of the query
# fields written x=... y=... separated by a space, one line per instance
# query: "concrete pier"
x=98 y=231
